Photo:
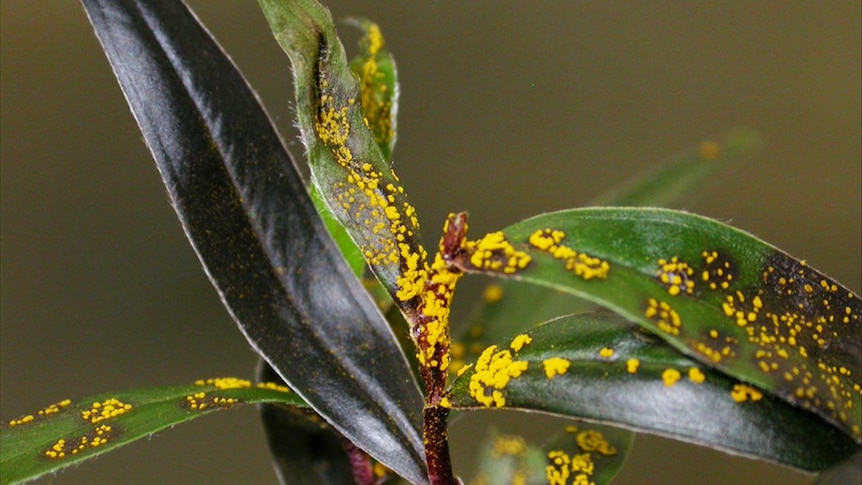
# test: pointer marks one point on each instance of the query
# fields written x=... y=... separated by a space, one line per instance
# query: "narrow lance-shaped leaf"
x=347 y=165
x=67 y=433
x=510 y=306
x=716 y=293
x=601 y=367
x=582 y=453
x=378 y=85
x=669 y=184
x=248 y=216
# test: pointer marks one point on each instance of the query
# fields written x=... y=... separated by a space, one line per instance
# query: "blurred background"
x=507 y=110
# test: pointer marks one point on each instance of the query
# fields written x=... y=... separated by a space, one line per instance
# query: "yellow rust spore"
x=581 y=264
x=107 y=409
x=492 y=373
x=696 y=375
x=743 y=392
x=606 y=352
x=665 y=317
x=42 y=413
x=63 y=448
x=676 y=276
x=494 y=253
x=632 y=365
x=670 y=377
x=520 y=341
x=555 y=366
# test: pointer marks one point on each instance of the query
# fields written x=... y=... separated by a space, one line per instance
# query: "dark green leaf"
x=347 y=165
x=714 y=292
x=515 y=306
x=301 y=444
x=599 y=366
x=67 y=433
x=248 y=216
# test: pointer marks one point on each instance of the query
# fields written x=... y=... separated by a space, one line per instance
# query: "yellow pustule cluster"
x=224 y=383
x=494 y=253
x=492 y=373
x=581 y=264
x=744 y=392
x=579 y=468
x=555 y=366
x=42 y=413
x=666 y=318
x=676 y=276
x=107 y=409
x=63 y=448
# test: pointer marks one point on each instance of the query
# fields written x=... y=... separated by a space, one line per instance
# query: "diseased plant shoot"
x=705 y=334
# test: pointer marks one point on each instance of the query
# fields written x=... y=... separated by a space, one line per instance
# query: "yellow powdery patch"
x=744 y=392
x=562 y=467
x=555 y=366
x=606 y=352
x=520 y=341
x=632 y=365
x=494 y=253
x=676 y=276
x=493 y=371
x=696 y=375
x=224 y=383
x=273 y=386
x=666 y=318
x=670 y=377
x=107 y=409
x=581 y=264
x=63 y=448
x=47 y=411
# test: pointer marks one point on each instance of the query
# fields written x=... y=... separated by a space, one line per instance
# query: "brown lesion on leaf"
x=65 y=448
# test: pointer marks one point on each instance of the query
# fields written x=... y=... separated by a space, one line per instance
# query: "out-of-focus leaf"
x=67 y=433
x=599 y=366
x=583 y=453
x=301 y=444
x=669 y=184
x=347 y=165
x=716 y=293
x=378 y=86
x=514 y=306
x=248 y=216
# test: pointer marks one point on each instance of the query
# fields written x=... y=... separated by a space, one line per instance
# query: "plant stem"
x=436 y=438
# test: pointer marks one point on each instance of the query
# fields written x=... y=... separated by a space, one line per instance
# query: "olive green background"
x=508 y=109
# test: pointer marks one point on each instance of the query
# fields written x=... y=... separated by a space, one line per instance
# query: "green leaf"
x=515 y=306
x=714 y=292
x=599 y=366
x=67 y=433
x=592 y=453
x=669 y=184
x=378 y=86
x=248 y=216
x=347 y=165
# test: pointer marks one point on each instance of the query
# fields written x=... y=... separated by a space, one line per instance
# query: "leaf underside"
x=248 y=216
x=601 y=367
